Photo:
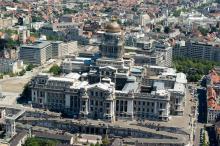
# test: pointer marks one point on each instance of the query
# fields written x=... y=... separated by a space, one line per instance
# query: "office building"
x=41 y=51
x=61 y=49
x=197 y=50
x=37 y=53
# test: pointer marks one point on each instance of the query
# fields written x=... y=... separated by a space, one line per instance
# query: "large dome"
x=113 y=27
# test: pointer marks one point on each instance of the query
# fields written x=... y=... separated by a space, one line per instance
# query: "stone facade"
x=113 y=88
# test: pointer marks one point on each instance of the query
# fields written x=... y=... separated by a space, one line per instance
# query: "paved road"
x=199 y=126
x=12 y=87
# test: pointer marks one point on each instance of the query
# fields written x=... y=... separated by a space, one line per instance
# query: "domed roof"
x=113 y=27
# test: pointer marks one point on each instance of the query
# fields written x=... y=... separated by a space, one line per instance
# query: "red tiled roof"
x=211 y=93
x=214 y=76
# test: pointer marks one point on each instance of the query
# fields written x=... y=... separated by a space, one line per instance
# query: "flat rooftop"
x=37 y=45
x=133 y=86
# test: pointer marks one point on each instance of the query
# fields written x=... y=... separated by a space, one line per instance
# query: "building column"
x=112 y=111
x=130 y=108
x=84 y=112
x=45 y=98
x=155 y=108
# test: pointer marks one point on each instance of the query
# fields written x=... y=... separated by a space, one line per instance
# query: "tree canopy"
x=105 y=141
x=29 y=67
x=166 y=29
x=177 y=13
x=55 y=69
x=70 y=11
x=203 y=31
x=39 y=142
x=194 y=68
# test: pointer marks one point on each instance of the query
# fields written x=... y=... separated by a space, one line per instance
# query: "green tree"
x=40 y=142
x=176 y=13
x=108 y=10
x=55 y=69
x=36 y=18
x=135 y=8
x=70 y=11
x=193 y=68
x=166 y=29
x=29 y=67
x=11 y=43
x=204 y=140
x=158 y=29
x=31 y=142
x=21 y=73
x=105 y=141
x=203 y=31
x=97 y=144
x=213 y=29
x=54 y=38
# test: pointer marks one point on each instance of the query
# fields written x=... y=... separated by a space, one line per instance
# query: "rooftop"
x=159 y=85
x=181 y=78
x=104 y=86
x=113 y=27
x=79 y=84
x=130 y=87
x=75 y=76
x=179 y=87
x=62 y=79
x=38 y=45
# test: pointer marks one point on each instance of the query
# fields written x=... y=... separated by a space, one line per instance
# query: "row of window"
x=55 y=95
x=52 y=100
x=143 y=103
x=97 y=94
x=143 y=109
x=107 y=73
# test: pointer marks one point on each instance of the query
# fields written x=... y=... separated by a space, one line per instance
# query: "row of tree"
x=39 y=142
x=194 y=68
x=45 y=142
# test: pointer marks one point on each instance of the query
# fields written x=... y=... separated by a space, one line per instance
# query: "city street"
x=198 y=128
